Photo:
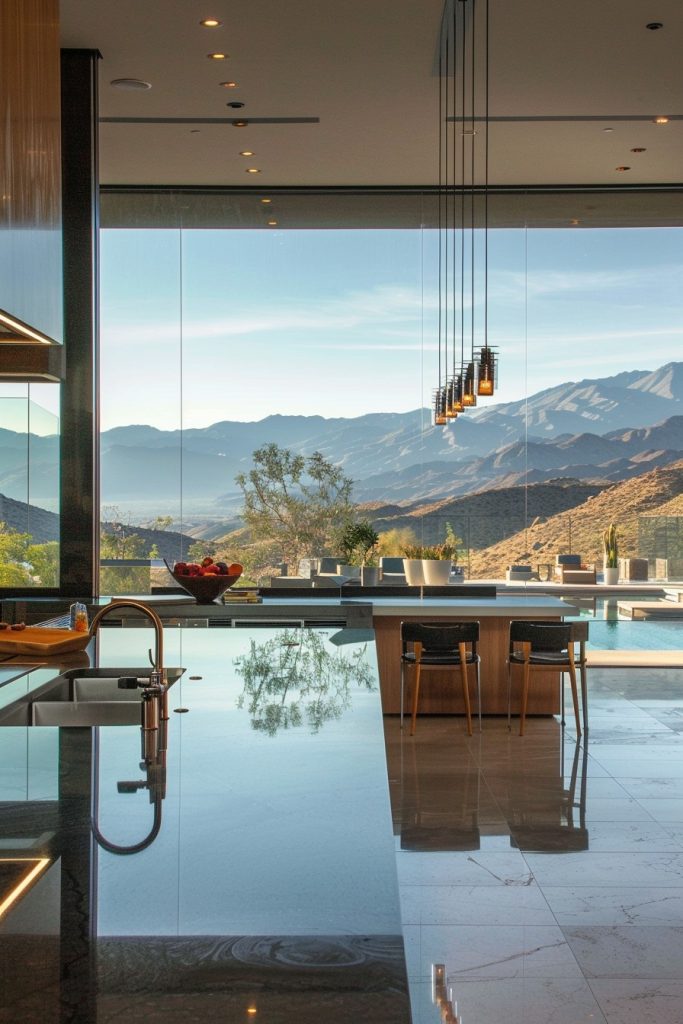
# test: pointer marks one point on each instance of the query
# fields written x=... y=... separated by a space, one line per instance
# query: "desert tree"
x=297 y=501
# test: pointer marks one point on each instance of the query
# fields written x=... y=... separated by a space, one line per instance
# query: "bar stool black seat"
x=548 y=645
x=438 y=645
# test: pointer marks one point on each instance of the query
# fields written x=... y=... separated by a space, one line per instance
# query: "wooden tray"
x=41 y=640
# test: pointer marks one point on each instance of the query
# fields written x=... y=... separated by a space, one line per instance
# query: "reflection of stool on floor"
x=442 y=812
x=530 y=827
x=633 y=569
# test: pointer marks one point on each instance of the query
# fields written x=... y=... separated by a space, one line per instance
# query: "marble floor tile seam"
x=635 y=951
x=639 y=1001
x=480 y=952
x=615 y=905
x=665 y=810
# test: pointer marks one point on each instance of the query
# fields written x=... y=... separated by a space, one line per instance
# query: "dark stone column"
x=79 y=500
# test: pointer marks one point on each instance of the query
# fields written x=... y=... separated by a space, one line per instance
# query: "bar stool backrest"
x=543 y=636
x=440 y=637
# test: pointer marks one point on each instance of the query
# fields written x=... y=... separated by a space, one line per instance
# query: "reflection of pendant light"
x=467 y=364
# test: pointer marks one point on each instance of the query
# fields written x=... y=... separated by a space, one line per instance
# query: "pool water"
x=642 y=635
x=609 y=632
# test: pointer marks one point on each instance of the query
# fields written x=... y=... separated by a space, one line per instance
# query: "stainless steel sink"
x=83 y=697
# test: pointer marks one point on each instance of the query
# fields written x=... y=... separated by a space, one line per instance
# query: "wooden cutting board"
x=41 y=640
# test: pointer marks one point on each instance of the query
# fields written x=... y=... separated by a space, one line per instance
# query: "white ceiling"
x=366 y=69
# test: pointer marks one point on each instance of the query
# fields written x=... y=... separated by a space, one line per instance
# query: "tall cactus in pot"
x=611 y=547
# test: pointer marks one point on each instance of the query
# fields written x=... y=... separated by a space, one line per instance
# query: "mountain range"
x=595 y=430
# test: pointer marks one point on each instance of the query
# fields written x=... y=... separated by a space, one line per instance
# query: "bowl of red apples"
x=205 y=580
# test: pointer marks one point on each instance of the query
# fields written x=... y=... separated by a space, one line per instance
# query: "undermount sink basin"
x=83 y=697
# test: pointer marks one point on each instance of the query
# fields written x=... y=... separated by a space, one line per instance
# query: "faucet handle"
x=131 y=787
x=128 y=683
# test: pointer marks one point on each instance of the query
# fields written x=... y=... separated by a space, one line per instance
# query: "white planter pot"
x=610 y=576
x=412 y=567
x=369 y=576
x=436 y=571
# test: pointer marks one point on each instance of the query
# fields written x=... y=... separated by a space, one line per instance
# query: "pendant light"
x=467 y=364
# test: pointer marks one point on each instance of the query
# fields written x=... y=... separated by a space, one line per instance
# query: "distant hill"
x=488 y=516
x=603 y=429
x=44 y=526
x=22 y=518
x=658 y=492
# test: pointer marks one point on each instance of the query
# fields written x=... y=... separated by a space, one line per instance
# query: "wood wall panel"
x=30 y=164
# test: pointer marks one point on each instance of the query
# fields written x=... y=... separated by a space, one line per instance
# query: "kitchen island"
x=248 y=873
x=361 y=609
x=439 y=695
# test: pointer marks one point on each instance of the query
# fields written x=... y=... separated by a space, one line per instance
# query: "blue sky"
x=339 y=323
x=209 y=325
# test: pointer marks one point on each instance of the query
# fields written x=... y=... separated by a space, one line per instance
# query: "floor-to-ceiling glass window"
x=311 y=322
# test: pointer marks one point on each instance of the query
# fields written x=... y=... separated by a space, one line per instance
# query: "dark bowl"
x=205 y=589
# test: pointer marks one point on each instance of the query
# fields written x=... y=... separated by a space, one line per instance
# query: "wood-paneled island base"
x=440 y=692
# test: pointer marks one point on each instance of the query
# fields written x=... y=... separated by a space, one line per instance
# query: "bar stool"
x=438 y=645
x=548 y=645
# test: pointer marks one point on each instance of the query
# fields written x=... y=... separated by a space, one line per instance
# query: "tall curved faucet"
x=154 y=619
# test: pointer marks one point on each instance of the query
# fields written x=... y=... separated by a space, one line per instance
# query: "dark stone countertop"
x=263 y=876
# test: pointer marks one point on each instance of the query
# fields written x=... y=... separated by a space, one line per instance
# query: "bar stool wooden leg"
x=465 y=686
x=525 y=688
x=416 y=696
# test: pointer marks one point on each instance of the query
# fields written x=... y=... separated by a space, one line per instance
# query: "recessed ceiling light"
x=130 y=83
x=253 y=170
x=235 y=104
x=622 y=168
x=608 y=129
x=216 y=56
x=228 y=85
x=638 y=149
x=574 y=222
x=240 y=124
x=661 y=120
x=654 y=25
x=195 y=131
x=272 y=223
x=246 y=152
x=265 y=201
x=210 y=22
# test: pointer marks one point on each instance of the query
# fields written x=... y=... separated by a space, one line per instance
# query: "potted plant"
x=611 y=556
x=412 y=564
x=359 y=545
x=437 y=562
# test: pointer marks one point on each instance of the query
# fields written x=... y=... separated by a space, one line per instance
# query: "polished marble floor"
x=542 y=879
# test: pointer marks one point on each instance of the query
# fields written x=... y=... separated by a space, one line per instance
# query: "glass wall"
x=310 y=323
x=29 y=485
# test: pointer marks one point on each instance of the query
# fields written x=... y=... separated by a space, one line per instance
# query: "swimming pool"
x=610 y=633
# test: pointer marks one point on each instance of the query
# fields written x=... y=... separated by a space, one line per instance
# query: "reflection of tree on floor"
x=292 y=680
